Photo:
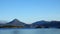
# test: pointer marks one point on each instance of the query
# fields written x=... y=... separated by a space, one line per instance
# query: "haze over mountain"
x=3 y=22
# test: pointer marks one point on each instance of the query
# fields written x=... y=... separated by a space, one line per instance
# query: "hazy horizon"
x=30 y=11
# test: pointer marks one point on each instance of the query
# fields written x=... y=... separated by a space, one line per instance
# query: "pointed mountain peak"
x=15 y=20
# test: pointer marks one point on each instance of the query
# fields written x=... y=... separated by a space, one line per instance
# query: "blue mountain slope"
x=40 y=22
x=16 y=22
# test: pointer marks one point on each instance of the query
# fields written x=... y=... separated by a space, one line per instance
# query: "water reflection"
x=29 y=31
x=16 y=32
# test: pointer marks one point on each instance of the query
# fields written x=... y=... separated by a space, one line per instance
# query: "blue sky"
x=30 y=11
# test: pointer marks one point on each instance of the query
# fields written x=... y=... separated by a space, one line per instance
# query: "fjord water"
x=30 y=31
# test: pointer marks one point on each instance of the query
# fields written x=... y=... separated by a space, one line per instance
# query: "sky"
x=30 y=11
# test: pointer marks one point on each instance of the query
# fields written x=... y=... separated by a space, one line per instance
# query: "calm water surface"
x=30 y=31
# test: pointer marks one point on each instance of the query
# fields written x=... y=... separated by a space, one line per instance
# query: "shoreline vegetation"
x=39 y=24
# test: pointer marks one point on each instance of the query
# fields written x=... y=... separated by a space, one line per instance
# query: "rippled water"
x=29 y=31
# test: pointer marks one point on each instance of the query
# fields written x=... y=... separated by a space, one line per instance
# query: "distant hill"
x=46 y=24
x=55 y=24
x=39 y=23
x=3 y=22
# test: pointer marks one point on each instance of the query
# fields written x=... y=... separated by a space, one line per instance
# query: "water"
x=30 y=31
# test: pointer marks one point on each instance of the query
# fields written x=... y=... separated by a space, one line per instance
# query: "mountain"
x=39 y=23
x=46 y=24
x=16 y=22
x=55 y=24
